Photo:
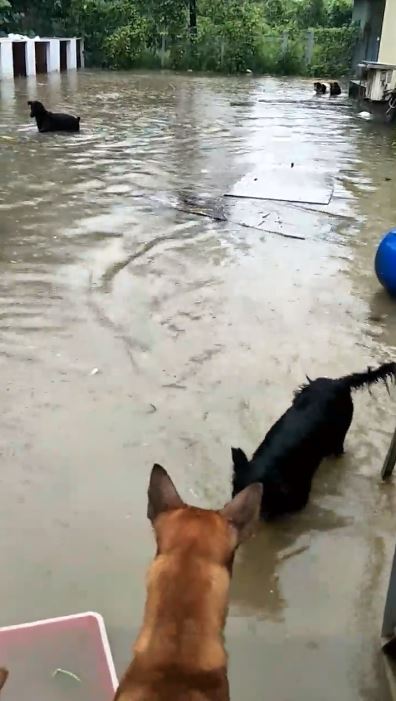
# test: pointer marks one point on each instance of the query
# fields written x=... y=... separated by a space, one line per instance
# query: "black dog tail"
x=364 y=379
x=78 y=119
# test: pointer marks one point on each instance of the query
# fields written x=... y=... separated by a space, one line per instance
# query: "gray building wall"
x=369 y=14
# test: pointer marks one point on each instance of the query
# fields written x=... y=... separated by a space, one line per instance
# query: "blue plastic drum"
x=385 y=262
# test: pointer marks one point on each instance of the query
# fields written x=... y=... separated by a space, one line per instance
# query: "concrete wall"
x=387 y=51
x=361 y=11
x=30 y=58
x=369 y=14
x=54 y=56
x=6 y=60
x=72 y=55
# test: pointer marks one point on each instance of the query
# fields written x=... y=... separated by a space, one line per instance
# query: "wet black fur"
x=313 y=427
x=52 y=121
x=322 y=88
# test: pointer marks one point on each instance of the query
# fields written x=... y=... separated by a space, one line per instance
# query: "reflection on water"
x=256 y=587
x=200 y=329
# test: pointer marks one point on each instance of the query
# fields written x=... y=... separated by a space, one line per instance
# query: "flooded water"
x=132 y=332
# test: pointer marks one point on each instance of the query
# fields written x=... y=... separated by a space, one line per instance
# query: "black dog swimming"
x=313 y=427
x=52 y=121
x=331 y=89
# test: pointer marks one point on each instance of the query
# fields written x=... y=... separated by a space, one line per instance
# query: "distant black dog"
x=52 y=121
x=314 y=427
x=330 y=88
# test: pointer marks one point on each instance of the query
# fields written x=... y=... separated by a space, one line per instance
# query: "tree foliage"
x=310 y=13
x=339 y=13
x=237 y=29
x=229 y=36
x=126 y=43
x=334 y=49
x=275 y=12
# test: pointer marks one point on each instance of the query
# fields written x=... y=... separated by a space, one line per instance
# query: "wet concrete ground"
x=200 y=330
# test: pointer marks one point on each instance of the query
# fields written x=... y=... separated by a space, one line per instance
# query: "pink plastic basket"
x=59 y=659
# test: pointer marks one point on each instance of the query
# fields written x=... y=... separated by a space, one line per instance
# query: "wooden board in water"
x=285 y=184
x=78 y=644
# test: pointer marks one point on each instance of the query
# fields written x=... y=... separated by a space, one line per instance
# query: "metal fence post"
x=284 y=42
x=309 y=46
x=163 y=49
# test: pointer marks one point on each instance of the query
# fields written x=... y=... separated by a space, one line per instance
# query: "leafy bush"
x=228 y=38
x=126 y=44
x=333 y=51
x=291 y=61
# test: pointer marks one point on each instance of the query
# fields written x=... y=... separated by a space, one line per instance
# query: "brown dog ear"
x=162 y=493
x=3 y=677
x=244 y=510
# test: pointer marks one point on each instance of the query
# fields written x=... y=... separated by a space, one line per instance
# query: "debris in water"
x=241 y=103
x=66 y=673
x=174 y=385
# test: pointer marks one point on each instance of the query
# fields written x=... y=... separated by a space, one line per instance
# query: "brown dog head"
x=3 y=677
x=187 y=595
x=212 y=535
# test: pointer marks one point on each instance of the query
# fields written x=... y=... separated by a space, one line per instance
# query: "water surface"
x=132 y=332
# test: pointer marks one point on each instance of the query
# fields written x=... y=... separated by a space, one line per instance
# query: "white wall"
x=30 y=58
x=72 y=55
x=54 y=56
x=387 y=52
x=6 y=60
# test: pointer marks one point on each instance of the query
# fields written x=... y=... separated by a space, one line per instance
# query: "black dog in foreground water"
x=52 y=121
x=313 y=427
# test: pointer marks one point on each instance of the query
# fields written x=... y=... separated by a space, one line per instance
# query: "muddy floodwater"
x=132 y=332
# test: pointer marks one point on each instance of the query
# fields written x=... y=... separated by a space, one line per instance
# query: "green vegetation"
x=333 y=50
x=215 y=35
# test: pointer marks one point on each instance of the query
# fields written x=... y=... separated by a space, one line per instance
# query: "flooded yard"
x=132 y=332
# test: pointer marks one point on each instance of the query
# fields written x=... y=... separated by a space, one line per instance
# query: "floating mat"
x=59 y=659
x=285 y=184
x=233 y=211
